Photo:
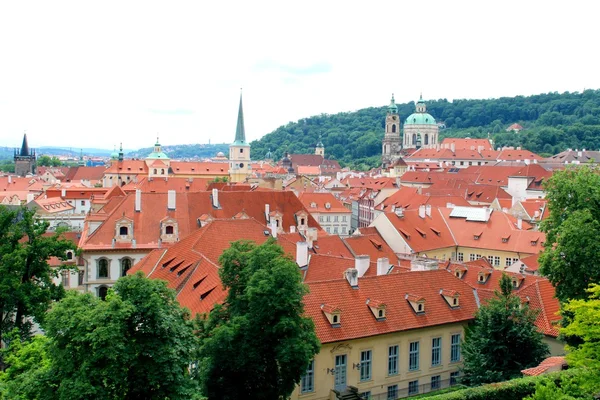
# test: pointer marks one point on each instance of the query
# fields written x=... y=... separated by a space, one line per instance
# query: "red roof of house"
x=127 y=167
x=319 y=200
x=551 y=363
x=357 y=320
x=460 y=143
x=162 y=185
x=85 y=173
x=485 y=193
x=199 y=168
x=423 y=234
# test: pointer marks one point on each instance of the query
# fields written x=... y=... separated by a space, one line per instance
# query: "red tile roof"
x=423 y=234
x=162 y=185
x=460 y=143
x=357 y=320
x=550 y=364
x=319 y=200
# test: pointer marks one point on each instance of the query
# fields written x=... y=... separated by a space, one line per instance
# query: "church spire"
x=121 y=152
x=393 y=108
x=24 y=147
x=240 y=132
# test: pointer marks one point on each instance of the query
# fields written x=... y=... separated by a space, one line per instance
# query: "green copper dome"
x=157 y=154
x=420 y=119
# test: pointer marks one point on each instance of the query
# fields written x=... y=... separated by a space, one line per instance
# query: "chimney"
x=399 y=212
x=133 y=243
x=30 y=197
x=428 y=210
x=351 y=275
x=171 y=200
x=393 y=208
x=63 y=192
x=215 y=198
x=422 y=211
x=292 y=229
x=579 y=154
x=449 y=205
x=479 y=149
x=9 y=179
x=311 y=236
x=527 y=161
x=519 y=223
x=267 y=212
x=138 y=200
x=383 y=266
x=302 y=254
x=361 y=264
x=274 y=229
x=452 y=147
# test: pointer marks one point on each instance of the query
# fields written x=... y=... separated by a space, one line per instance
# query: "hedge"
x=515 y=389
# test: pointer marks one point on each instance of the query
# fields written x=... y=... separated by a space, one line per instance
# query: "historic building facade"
x=24 y=159
x=391 y=141
x=239 y=151
x=420 y=128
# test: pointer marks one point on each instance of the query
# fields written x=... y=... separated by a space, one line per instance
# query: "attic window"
x=166 y=263
x=406 y=235
x=199 y=282
x=205 y=294
x=380 y=313
x=477 y=235
x=335 y=319
x=174 y=267
x=455 y=302
x=505 y=239
x=420 y=307
x=313 y=205
x=123 y=231
x=437 y=232
x=169 y=230
x=423 y=234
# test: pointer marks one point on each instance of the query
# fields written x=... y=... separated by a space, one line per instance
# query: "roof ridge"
x=542 y=306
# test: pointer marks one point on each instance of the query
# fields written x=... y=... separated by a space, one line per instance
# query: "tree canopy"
x=137 y=344
x=552 y=122
x=502 y=340
x=571 y=256
x=258 y=343
x=26 y=279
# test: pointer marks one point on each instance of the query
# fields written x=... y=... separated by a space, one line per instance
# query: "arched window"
x=102 y=292
x=103 y=268
x=125 y=265
x=169 y=230
x=155 y=171
x=69 y=255
x=277 y=223
x=394 y=128
x=414 y=141
x=301 y=221
x=124 y=231
x=426 y=139
x=162 y=171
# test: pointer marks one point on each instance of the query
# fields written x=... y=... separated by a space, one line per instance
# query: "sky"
x=99 y=73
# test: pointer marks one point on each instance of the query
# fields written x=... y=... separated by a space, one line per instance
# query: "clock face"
x=241 y=165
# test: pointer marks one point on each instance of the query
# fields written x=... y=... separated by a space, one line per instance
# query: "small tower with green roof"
x=320 y=149
x=158 y=162
x=420 y=128
x=239 y=151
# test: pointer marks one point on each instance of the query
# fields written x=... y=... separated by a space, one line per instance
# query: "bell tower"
x=239 y=151
x=391 y=140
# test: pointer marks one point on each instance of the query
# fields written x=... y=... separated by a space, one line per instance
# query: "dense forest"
x=553 y=122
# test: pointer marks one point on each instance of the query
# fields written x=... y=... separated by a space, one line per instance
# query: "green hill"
x=552 y=122
x=185 y=151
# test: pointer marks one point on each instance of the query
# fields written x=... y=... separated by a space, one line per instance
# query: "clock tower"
x=239 y=151
x=390 y=151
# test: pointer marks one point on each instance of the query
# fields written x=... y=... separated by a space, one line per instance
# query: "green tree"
x=571 y=256
x=26 y=279
x=44 y=161
x=502 y=340
x=258 y=343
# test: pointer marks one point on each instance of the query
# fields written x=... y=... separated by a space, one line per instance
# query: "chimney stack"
x=311 y=236
x=171 y=200
x=138 y=200
x=292 y=229
x=302 y=254
x=519 y=223
x=10 y=179
x=361 y=264
x=428 y=210
x=267 y=212
x=422 y=211
x=274 y=228
x=30 y=197
x=215 y=198
x=351 y=275
x=452 y=147
x=63 y=192
x=383 y=266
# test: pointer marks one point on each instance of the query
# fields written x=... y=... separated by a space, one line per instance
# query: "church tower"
x=320 y=149
x=239 y=151
x=24 y=159
x=391 y=141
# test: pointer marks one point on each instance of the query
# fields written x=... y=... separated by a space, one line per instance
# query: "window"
x=455 y=348
x=343 y=230
x=340 y=372
x=320 y=218
x=471 y=257
x=123 y=231
x=413 y=387
x=169 y=230
x=155 y=171
x=496 y=261
x=103 y=268
x=162 y=171
x=436 y=351
x=83 y=202
x=102 y=292
x=335 y=218
x=365 y=365
x=335 y=319
x=393 y=360
x=365 y=395
x=335 y=229
x=413 y=356
x=461 y=257
x=125 y=265
x=454 y=378
x=241 y=151
x=436 y=382
x=65 y=278
x=392 y=392
x=69 y=255
x=80 y=278
x=328 y=218
x=343 y=218
x=327 y=229
x=508 y=261
x=307 y=382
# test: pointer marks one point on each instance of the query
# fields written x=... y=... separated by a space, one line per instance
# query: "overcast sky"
x=93 y=74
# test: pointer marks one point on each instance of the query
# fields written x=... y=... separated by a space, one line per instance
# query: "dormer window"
x=328 y=205
x=313 y=205
x=377 y=309
x=516 y=281
x=476 y=236
x=416 y=302
x=451 y=297
x=333 y=315
x=69 y=255
x=123 y=231
x=482 y=277
x=169 y=230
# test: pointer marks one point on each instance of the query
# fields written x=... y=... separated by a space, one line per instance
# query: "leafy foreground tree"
x=585 y=315
x=571 y=257
x=138 y=344
x=26 y=286
x=258 y=343
x=502 y=340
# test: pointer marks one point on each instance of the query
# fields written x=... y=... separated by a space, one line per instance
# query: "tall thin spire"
x=240 y=132
x=24 y=146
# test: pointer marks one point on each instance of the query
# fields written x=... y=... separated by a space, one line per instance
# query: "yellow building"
x=388 y=335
